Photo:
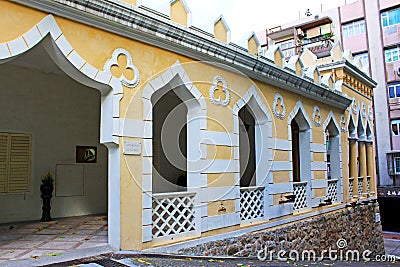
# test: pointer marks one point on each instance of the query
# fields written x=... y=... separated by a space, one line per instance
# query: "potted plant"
x=46 y=190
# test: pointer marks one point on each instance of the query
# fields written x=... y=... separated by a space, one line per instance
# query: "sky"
x=245 y=16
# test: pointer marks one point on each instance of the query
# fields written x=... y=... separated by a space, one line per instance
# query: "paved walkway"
x=52 y=239
x=392 y=243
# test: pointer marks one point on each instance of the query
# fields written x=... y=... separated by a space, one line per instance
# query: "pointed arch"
x=299 y=109
x=48 y=34
x=351 y=127
x=174 y=79
x=334 y=154
x=361 y=128
x=254 y=103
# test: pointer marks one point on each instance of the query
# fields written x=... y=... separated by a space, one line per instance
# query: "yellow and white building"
x=249 y=142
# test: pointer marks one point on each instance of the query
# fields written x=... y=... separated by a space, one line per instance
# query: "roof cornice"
x=129 y=21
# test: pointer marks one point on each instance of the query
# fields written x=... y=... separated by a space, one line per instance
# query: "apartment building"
x=370 y=33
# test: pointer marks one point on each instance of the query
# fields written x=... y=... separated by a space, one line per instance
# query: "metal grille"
x=173 y=213
x=300 y=192
x=332 y=190
x=360 y=186
x=368 y=184
x=351 y=187
x=251 y=203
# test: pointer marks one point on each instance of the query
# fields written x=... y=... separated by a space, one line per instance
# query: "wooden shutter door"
x=20 y=163
x=3 y=162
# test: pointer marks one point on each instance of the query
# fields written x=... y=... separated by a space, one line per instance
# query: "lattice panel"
x=251 y=204
x=332 y=190
x=300 y=192
x=360 y=186
x=368 y=185
x=173 y=215
x=351 y=187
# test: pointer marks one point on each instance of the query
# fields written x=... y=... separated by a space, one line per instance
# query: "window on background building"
x=392 y=54
x=287 y=47
x=353 y=28
x=363 y=58
x=394 y=90
x=391 y=17
x=396 y=165
x=395 y=127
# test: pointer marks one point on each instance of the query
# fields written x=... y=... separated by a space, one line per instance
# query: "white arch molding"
x=305 y=140
x=48 y=34
x=336 y=152
x=173 y=78
x=263 y=140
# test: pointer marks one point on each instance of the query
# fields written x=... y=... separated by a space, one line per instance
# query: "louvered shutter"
x=20 y=163
x=3 y=162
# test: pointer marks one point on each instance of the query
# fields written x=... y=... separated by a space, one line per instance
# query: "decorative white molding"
x=48 y=34
x=219 y=79
x=354 y=106
x=113 y=61
x=343 y=123
x=279 y=114
x=316 y=117
x=363 y=110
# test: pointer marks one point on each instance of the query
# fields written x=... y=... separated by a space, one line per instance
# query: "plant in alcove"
x=46 y=190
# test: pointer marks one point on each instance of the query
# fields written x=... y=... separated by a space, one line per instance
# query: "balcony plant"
x=46 y=190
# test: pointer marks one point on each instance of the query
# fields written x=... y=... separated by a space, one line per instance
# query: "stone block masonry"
x=357 y=225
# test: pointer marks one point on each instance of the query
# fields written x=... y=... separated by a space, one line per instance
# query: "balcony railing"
x=173 y=214
x=351 y=188
x=300 y=192
x=360 y=186
x=251 y=203
x=333 y=190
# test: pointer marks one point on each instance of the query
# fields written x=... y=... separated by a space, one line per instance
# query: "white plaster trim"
x=219 y=221
x=280 y=188
x=113 y=61
x=270 y=54
x=318 y=166
x=219 y=79
x=319 y=148
x=370 y=113
x=225 y=24
x=211 y=194
x=281 y=166
x=219 y=138
x=355 y=107
x=343 y=124
x=363 y=110
x=280 y=115
x=282 y=144
x=316 y=117
x=253 y=34
x=292 y=63
x=47 y=33
x=320 y=183
x=280 y=210
x=187 y=9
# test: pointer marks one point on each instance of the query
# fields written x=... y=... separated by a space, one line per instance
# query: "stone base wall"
x=356 y=225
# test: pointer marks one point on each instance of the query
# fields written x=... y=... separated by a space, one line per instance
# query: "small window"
x=395 y=127
x=392 y=54
x=391 y=17
x=397 y=165
x=363 y=57
x=15 y=162
x=394 y=90
x=353 y=28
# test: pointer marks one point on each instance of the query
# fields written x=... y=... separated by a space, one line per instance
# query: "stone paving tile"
x=102 y=233
x=11 y=253
x=39 y=253
x=37 y=237
x=51 y=232
x=58 y=245
x=8 y=237
x=63 y=238
x=90 y=227
x=99 y=239
x=22 y=244
x=80 y=232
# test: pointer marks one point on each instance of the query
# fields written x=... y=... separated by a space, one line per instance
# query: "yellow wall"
x=220 y=32
x=178 y=13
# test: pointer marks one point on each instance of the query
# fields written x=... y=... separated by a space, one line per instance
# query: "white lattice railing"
x=300 y=192
x=173 y=213
x=351 y=188
x=368 y=184
x=251 y=203
x=333 y=190
x=360 y=186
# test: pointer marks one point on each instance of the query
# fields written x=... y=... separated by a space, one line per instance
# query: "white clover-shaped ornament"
x=113 y=61
x=342 y=123
x=278 y=107
x=218 y=101
x=363 y=110
x=317 y=117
